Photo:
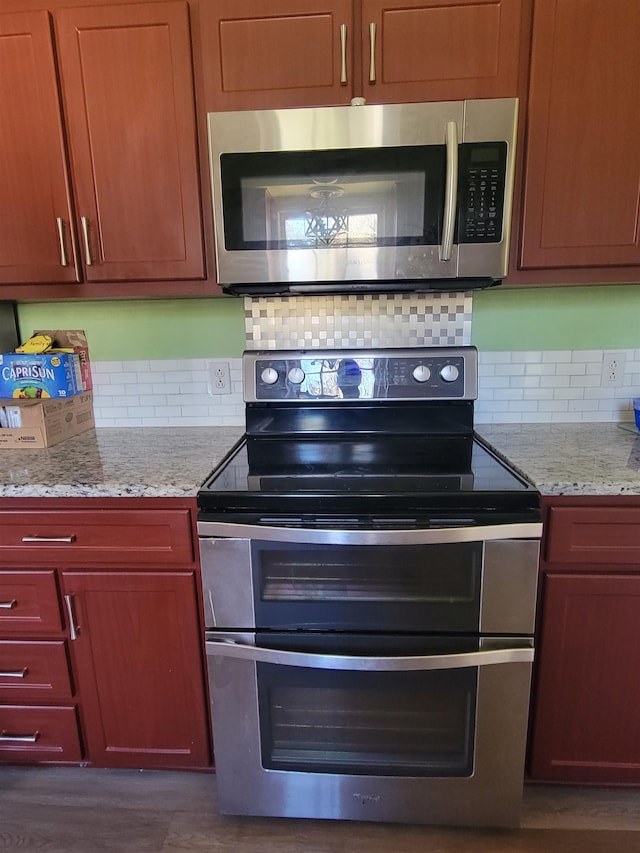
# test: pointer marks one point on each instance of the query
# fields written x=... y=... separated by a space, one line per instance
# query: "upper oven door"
x=480 y=585
x=356 y=194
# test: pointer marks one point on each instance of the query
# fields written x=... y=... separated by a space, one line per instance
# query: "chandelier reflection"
x=324 y=223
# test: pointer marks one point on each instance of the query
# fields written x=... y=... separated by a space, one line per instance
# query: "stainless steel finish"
x=343 y=53
x=227 y=582
x=509 y=577
x=6 y=736
x=370 y=126
x=372 y=52
x=73 y=630
x=217 y=645
x=450 y=193
x=14 y=673
x=63 y=252
x=85 y=236
x=251 y=362
x=328 y=536
x=8 y=605
x=67 y=540
x=509 y=586
x=501 y=724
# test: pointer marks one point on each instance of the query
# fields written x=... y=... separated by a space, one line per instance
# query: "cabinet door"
x=129 y=100
x=586 y=724
x=36 y=237
x=435 y=50
x=582 y=180
x=284 y=53
x=138 y=666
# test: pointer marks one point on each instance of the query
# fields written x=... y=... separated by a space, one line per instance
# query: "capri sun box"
x=46 y=397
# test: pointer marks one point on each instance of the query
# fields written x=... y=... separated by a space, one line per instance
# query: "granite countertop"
x=118 y=462
x=559 y=459
x=571 y=459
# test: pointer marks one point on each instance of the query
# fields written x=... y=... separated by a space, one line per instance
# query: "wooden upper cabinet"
x=289 y=53
x=36 y=236
x=430 y=50
x=127 y=84
x=582 y=182
x=282 y=53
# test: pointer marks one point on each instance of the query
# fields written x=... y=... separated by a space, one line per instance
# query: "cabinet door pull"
x=67 y=540
x=7 y=736
x=343 y=54
x=63 y=252
x=14 y=673
x=451 y=192
x=73 y=629
x=8 y=605
x=85 y=236
x=372 y=52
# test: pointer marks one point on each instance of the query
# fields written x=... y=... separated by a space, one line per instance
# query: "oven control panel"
x=433 y=373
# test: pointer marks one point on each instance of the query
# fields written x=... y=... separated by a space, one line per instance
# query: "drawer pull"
x=7 y=736
x=73 y=630
x=8 y=605
x=67 y=540
x=14 y=673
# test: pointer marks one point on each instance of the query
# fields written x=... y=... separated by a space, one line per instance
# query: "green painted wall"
x=520 y=319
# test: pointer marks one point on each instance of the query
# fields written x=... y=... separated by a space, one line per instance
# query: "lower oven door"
x=420 y=738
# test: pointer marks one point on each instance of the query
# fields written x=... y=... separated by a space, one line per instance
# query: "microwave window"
x=315 y=200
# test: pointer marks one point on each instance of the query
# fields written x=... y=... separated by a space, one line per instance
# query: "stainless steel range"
x=370 y=572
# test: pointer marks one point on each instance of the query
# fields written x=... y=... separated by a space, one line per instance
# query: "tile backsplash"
x=518 y=387
x=364 y=320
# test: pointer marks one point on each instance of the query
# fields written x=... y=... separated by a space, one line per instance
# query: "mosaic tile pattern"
x=363 y=321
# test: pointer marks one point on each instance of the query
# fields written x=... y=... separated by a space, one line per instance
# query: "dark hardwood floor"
x=80 y=810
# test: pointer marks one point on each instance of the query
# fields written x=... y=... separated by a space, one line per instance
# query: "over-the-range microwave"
x=363 y=198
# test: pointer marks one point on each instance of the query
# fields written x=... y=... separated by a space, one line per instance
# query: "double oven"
x=370 y=572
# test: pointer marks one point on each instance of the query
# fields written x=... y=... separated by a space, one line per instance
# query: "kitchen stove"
x=370 y=573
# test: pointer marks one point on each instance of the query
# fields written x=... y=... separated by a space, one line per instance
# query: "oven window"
x=389 y=724
x=408 y=587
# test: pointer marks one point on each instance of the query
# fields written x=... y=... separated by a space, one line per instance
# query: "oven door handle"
x=415 y=663
x=339 y=536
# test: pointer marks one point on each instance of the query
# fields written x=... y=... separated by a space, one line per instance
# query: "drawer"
x=105 y=536
x=39 y=734
x=34 y=671
x=29 y=603
x=596 y=535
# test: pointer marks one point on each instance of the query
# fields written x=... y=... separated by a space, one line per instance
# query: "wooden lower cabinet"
x=586 y=706
x=135 y=655
x=101 y=650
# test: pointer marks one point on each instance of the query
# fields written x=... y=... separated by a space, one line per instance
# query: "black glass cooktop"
x=395 y=477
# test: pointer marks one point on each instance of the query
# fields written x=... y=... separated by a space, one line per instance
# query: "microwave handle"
x=451 y=192
x=410 y=663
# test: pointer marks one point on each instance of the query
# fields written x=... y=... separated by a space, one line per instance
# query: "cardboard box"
x=39 y=375
x=76 y=341
x=49 y=421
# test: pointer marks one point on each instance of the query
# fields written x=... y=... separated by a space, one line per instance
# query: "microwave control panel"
x=481 y=182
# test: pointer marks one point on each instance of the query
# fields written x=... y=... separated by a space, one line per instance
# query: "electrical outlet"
x=612 y=375
x=219 y=379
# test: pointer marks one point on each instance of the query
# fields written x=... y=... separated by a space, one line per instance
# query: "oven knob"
x=295 y=375
x=449 y=373
x=421 y=373
x=269 y=376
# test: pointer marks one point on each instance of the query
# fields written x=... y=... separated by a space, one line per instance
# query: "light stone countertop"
x=559 y=459
x=118 y=462
x=571 y=459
